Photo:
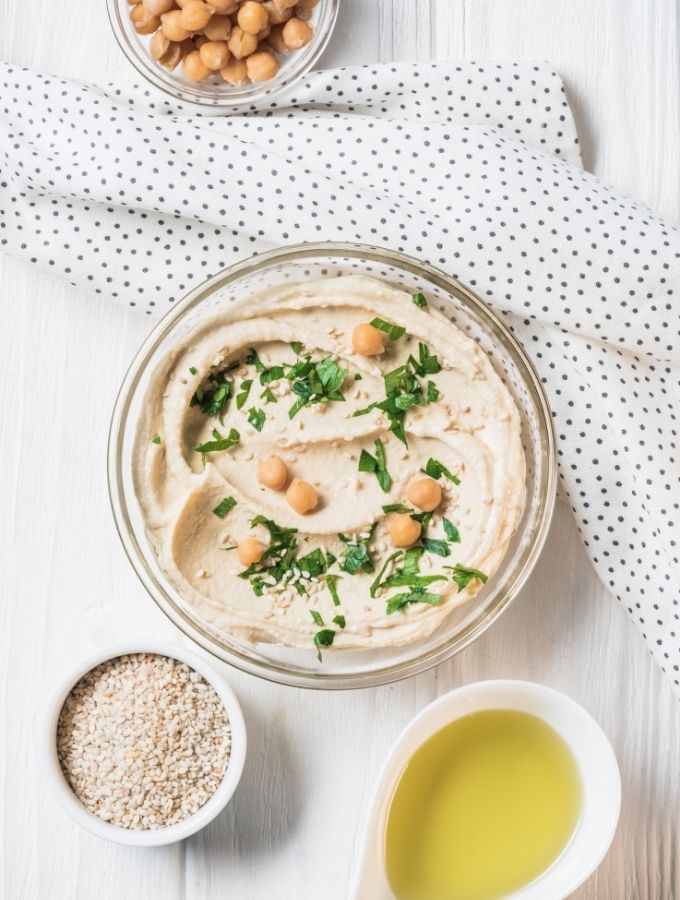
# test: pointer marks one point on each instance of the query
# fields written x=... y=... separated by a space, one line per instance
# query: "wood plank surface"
x=66 y=588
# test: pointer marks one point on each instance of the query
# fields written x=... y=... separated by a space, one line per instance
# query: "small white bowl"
x=599 y=770
x=171 y=833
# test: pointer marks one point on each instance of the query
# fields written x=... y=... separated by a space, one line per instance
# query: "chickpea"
x=159 y=46
x=174 y=54
x=224 y=7
x=296 y=33
x=194 y=68
x=252 y=17
x=277 y=14
x=157 y=7
x=302 y=496
x=261 y=66
x=250 y=551
x=195 y=15
x=197 y=41
x=306 y=4
x=235 y=72
x=214 y=55
x=404 y=531
x=171 y=27
x=368 y=340
x=144 y=24
x=218 y=28
x=276 y=41
x=426 y=494
x=272 y=472
x=304 y=15
x=241 y=43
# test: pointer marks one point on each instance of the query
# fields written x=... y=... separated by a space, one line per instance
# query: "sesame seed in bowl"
x=145 y=745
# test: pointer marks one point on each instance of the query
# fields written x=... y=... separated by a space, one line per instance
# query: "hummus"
x=238 y=389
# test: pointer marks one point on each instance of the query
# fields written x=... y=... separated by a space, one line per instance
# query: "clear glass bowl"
x=214 y=92
x=342 y=669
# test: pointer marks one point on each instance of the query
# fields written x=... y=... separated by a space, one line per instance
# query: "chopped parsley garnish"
x=417 y=595
x=213 y=396
x=254 y=360
x=220 y=442
x=435 y=470
x=268 y=395
x=272 y=374
x=377 y=465
x=317 y=617
x=451 y=531
x=193 y=370
x=277 y=560
x=394 y=332
x=242 y=395
x=340 y=621
x=313 y=563
x=323 y=638
x=224 y=506
x=332 y=585
x=440 y=548
x=407 y=575
x=318 y=382
x=419 y=300
x=433 y=392
x=463 y=576
x=257 y=417
x=156 y=440
x=404 y=390
x=356 y=557
x=296 y=347
x=396 y=508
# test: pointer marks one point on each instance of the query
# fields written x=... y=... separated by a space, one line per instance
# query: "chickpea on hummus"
x=329 y=463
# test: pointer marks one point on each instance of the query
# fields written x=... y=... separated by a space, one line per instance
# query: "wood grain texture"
x=66 y=588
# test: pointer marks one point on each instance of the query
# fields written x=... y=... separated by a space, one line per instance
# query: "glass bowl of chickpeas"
x=224 y=54
x=344 y=668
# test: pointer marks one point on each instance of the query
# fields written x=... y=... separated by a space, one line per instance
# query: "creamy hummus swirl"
x=472 y=428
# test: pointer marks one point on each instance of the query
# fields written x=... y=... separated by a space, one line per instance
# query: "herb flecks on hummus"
x=292 y=449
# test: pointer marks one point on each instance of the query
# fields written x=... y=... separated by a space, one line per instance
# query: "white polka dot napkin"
x=474 y=168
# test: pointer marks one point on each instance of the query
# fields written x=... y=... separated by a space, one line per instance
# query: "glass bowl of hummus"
x=332 y=466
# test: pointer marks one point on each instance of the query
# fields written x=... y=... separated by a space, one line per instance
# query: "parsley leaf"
x=377 y=465
x=318 y=382
x=408 y=575
x=193 y=370
x=296 y=346
x=451 y=531
x=212 y=396
x=440 y=548
x=317 y=617
x=463 y=576
x=273 y=374
x=340 y=621
x=220 y=442
x=242 y=395
x=257 y=417
x=433 y=392
x=224 y=506
x=313 y=563
x=419 y=300
x=254 y=360
x=323 y=638
x=417 y=595
x=156 y=440
x=435 y=470
x=268 y=395
x=331 y=584
x=394 y=332
x=396 y=508
x=356 y=556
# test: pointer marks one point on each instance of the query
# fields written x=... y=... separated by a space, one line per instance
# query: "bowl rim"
x=281 y=673
x=241 y=98
x=168 y=834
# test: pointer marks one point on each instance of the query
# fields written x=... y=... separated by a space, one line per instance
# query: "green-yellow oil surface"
x=482 y=808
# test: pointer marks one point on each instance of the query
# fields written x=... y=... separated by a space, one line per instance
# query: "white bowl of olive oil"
x=501 y=789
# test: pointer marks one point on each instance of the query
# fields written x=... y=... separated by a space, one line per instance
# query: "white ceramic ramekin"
x=171 y=833
x=601 y=783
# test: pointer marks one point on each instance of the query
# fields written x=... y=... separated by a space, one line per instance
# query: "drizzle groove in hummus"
x=329 y=463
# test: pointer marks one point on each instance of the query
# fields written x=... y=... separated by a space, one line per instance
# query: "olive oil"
x=481 y=809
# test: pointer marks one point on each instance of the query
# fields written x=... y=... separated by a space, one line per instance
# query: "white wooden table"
x=66 y=587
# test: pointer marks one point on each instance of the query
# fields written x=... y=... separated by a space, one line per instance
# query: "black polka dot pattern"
x=474 y=168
